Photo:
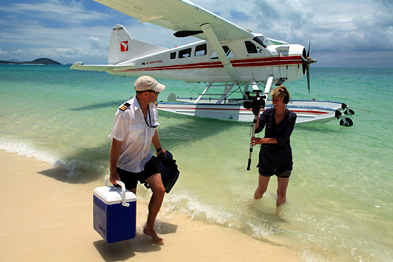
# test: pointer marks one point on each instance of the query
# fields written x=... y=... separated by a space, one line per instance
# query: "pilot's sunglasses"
x=152 y=91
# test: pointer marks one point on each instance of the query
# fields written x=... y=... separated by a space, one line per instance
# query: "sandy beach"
x=45 y=218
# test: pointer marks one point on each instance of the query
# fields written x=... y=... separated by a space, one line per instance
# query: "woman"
x=275 y=156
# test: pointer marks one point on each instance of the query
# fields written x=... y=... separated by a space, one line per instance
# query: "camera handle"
x=255 y=110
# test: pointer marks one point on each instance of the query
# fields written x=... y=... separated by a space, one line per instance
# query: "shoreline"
x=47 y=219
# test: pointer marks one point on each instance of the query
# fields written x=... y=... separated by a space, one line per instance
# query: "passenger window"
x=185 y=53
x=173 y=55
x=200 y=50
x=227 y=51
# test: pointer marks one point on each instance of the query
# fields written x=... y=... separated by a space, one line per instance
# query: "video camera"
x=255 y=102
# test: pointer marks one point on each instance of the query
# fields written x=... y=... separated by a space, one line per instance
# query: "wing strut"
x=203 y=93
x=227 y=90
x=213 y=40
x=267 y=87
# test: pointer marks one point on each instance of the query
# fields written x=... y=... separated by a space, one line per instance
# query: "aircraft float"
x=227 y=58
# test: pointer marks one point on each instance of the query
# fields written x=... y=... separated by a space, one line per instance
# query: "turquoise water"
x=339 y=203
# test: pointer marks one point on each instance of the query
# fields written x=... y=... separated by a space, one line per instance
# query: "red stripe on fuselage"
x=259 y=62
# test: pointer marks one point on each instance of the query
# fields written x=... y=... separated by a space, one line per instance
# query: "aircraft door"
x=283 y=54
x=268 y=57
x=284 y=71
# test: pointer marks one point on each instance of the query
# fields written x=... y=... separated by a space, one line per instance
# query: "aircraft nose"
x=306 y=64
x=307 y=60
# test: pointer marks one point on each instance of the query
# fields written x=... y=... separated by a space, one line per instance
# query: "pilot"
x=131 y=159
x=275 y=156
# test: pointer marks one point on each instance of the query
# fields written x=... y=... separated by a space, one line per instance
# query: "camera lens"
x=247 y=104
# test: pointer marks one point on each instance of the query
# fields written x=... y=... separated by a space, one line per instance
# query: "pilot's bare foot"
x=153 y=234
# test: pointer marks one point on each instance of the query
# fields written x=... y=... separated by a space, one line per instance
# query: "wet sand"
x=45 y=218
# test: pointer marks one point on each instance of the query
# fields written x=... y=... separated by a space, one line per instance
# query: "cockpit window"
x=257 y=47
x=251 y=48
x=261 y=40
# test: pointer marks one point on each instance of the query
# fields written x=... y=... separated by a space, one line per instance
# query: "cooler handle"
x=123 y=191
x=123 y=194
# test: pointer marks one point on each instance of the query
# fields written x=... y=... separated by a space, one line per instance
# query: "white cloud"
x=80 y=30
x=72 y=12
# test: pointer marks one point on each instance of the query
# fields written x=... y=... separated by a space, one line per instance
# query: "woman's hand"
x=256 y=141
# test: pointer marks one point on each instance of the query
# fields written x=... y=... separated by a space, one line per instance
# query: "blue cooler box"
x=114 y=212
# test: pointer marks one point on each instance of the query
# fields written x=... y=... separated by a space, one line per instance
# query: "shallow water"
x=339 y=203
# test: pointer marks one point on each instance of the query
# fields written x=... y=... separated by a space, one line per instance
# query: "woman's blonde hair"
x=281 y=91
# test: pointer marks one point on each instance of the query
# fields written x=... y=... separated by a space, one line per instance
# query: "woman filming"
x=275 y=156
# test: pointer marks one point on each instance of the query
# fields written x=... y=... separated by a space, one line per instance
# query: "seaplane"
x=239 y=67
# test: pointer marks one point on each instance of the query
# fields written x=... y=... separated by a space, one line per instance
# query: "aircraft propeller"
x=306 y=63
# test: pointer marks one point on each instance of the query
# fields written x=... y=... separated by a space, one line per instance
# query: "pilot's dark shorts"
x=131 y=179
x=285 y=174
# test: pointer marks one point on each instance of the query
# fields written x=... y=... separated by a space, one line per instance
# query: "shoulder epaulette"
x=124 y=106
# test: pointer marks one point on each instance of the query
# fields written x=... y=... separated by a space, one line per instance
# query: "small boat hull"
x=306 y=110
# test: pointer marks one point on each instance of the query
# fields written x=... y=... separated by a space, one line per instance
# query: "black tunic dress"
x=276 y=158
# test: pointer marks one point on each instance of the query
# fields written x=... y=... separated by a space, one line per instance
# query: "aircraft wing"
x=178 y=15
x=101 y=68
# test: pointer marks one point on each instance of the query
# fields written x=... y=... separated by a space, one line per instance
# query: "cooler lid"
x=111 y=195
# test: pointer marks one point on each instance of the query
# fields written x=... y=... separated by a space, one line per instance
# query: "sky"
x=343 y=33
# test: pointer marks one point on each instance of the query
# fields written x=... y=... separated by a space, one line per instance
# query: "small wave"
x=82 y=171
x=189 y=204
x=78 y=169
x=27 y=148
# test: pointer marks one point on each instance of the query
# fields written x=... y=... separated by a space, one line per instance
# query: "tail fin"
x=122 y=47
x=119 y=50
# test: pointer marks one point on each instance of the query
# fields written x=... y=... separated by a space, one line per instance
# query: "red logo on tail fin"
x=124 y=46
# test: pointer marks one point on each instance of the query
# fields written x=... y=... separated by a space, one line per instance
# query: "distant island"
x=39 y=61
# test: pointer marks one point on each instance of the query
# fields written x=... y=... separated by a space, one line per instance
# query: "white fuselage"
x=197 y=62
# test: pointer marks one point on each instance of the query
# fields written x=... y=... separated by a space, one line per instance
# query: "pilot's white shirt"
x=131 y=128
